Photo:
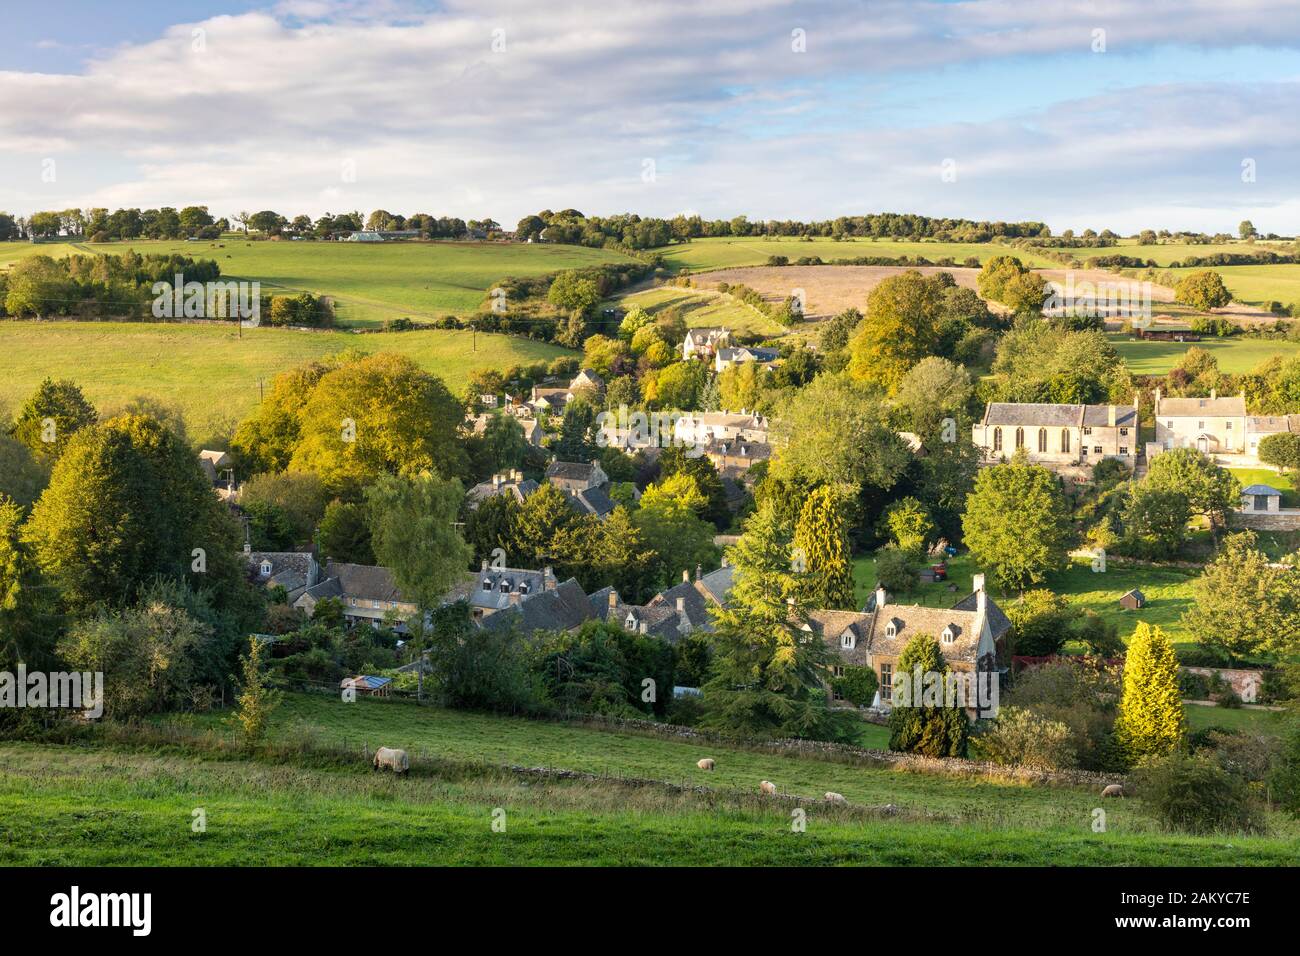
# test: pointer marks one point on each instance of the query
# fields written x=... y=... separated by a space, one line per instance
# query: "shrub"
x=1284 y=780
x=895 y=570
x=1083 y=699
x=857 y=685
x=1193 y=794
x=1021 y=738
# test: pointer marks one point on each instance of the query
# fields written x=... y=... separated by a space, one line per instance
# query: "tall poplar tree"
x=821 y=545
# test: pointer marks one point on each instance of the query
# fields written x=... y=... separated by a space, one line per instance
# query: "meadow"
x=370 y=282
x=721 y=253
x=212 y=373
x=1237 y=355
x=1164 y=253
x=1256 y=285
x=103 y=803
x=700 y=308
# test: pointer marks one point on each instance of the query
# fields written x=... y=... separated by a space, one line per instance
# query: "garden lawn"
x=1236 y=355
x=1266 y=476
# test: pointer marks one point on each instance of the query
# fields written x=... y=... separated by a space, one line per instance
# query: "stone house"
x=1213 y=426
x=368 y=594
x=703 y=343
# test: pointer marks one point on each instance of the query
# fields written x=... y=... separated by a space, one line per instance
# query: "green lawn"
x=95 y=804
x=1235 y=355
x=701 y=254
x=1168 y=591
x=370 y=282
x=1266 y=476
x=207 y=371
x=702 y=308
x=1165 y=253
x=1257 y=285
x=1234 y=718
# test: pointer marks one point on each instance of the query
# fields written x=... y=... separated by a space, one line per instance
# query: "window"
x=504 y=587
x=1065 y=440
x=1020 y=438
x=886 y=681
x=266 y=569
x=1123 y=431
x=1123 y=450
x=997 y=439
x=1096 y=449
x=487 y=584
x=523 y=587
x=891 y=629
x=1042 y=440
x=1083 y=450
x=1169 y=424
x=947 y=635
x=1228 y=426
x=1200 y=424
x=846 y=640
x=837 y=672
x=1087 y=430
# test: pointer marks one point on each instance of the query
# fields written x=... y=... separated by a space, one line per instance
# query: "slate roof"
x=911 y=620
x=1229 y=407
x=999 y=623
x=570 y=470
x=1047 y=415
x=289 y=569
x=593 y=501
x=493 y=597
x=718 y=583
x=559 y=609
x=365 y=582
x=661 y=620
x=486 y=489
x=1261 y=490
x=1135 y=593
x=695 y=604
x=830 y=625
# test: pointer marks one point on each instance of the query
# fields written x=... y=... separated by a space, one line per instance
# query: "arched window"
x=1065 y=440
x=1042 y=440
x=1020 y=438
x=997 y=439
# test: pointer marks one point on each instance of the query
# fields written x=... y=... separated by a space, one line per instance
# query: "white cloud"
x=265 y=113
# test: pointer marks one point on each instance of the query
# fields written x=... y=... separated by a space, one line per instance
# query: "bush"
x=1021 y=738
x=857 y=685
x=1193 y=794
x=1039 y=620
x=1284 y=779
x=1081 y=697
x=1193 y=686
x=895 y=570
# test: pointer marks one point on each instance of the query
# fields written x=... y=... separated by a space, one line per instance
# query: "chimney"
x=686 y=576
x=484 y=564
x=496 y=481
x=1110 y=415
x=980 y=601
x=643 y=627
x=613 y=599
x=1157 y=399
x=1214 y=393
x=881 y=597
x=699 y=571
x=248 y=548
x=547 y=576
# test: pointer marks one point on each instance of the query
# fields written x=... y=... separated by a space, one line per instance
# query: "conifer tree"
x=821 y=551
x=1151 y=719
x=918 y=724
x=767 y=670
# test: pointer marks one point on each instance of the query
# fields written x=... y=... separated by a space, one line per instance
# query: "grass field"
x=701 y=308
x=1165 y=253
x=1168 y=592
x=1257 y=285
x=1235 y=356
x=95 y=804
x=369 y=282
x=1266 y=476
x=207 y=371
x=701 y=254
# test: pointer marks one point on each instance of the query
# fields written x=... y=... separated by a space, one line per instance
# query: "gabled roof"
x=593 y=501
x=718 y=583
x=999 y=623
x=695 y=603
x=1261 y=490
x=365 y=582
x=1233 y=406
x=1135 y=593
x=570 y=470
x=911 y=620
x=560 y=609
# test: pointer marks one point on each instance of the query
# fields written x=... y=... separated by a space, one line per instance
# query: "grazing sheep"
x=705 y=764
x=1114 y=790
x=768 y=787
x=833 y=797
x=386 y=758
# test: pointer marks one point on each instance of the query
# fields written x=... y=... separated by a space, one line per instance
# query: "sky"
x=1120 y=114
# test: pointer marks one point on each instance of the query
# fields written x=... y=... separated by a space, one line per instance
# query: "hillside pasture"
x=210 y=372
x=369 y=282
x=1236 y=355
x=700 y=307
x=738 y=252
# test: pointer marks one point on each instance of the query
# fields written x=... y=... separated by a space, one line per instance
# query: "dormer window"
x=487 y=584
x=630 y=623
x=504 y=587
x=847 y=640
x=266 y=569
x=891 y=629
x=523 y=587
x=948 y=636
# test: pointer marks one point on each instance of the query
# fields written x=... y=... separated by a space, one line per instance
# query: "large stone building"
x=1058 y=434
x=1213 y=426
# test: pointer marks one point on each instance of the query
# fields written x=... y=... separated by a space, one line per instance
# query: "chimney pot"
x=613 y=599
x=686 y=576
x=484 y=564
x=1214 y=393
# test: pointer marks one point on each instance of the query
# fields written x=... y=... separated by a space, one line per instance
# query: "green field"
x=95 y=804
x=1275 y=479
x=701 y=254
x=1235 y=356
x=1164 y=253
x=370 y=282
x=209 y=372
x=702 y=308
x=1256 y=285
x=1168 y=591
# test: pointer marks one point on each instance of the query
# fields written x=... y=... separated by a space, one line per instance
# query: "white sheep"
x=833 y=797
x=1114 y=790
x=768 y=787
x=386 y=758
x=705 y=764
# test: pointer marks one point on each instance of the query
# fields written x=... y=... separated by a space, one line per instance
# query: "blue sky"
x=1109 y=114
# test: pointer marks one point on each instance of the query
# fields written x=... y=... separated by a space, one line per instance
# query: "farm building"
x=1132 y=600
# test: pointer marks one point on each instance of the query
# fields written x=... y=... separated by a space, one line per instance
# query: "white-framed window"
x=847 y=640
x=891 y=629
x=1123 y=450
x=266 y=569
x=948 y=636
x=487 y=584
